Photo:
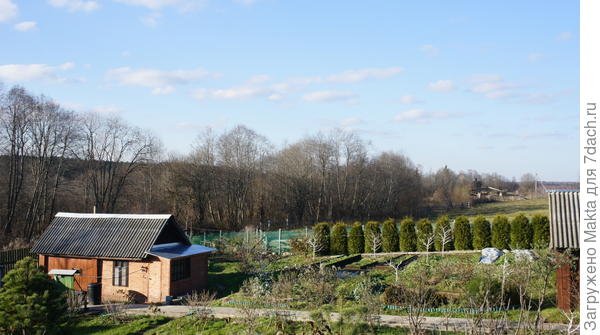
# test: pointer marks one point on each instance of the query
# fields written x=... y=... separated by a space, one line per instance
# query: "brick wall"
x=198 y=279
x=140 y=274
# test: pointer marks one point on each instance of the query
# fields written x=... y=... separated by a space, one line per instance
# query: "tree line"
x=55 y=159
x=460 y=234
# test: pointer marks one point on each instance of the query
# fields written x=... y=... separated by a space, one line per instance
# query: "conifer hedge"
x=339 y=239
x=408 y=235
x=356 y=239
x=372 y=237
x=501 y=232
x=321 y=232
x=389 y=234
x=443 y=222
x=541 y=231
x=521 y=232
x=482 y=233
x=463 y=238
x=424 y=232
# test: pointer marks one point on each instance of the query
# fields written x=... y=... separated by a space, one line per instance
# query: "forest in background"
x=54 y=159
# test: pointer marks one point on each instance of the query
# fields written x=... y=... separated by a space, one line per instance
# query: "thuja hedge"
x=389 y=235
x=321 y=234
x=408 y=235
x=521 y=233
x=425 y=235
x=356 y=239
x=374 y=237
x=463 y=238
x=339 y=239
x=482 y=233
x=501 y=232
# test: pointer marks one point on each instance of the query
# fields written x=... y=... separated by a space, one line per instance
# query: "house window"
x=120 y=273
x=180 y=269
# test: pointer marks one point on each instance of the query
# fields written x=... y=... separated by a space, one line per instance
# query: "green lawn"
x=160 y=325
x=528 y=207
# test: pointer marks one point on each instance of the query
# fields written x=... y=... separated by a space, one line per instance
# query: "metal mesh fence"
x=275 y=241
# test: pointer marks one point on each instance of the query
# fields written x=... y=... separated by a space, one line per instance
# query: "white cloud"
x=331 y=96
x=163 y=90
x=259 y=79
x=8 y=10
x=418 y=115
x=564 y=36
x=355 y=76
x=75 y=5
x=25 y=26
x=151 y=20
x=182 y=5
x=442 y=86
x=409 y=99
x=236 y=93
x=275 y=97
x=492 y=87
x=534 y=57
x=430 y=50
x=29 y=72
x=161 y=82
x=243 y=92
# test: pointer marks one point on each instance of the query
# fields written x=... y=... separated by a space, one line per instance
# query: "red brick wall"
x=197 y=281
x=141 y=273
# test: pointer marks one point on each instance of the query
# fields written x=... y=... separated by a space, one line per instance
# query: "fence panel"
x=273 y=240
x=9 y=258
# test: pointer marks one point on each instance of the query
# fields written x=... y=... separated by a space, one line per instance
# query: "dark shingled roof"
x=564 y=220
x=118 y=236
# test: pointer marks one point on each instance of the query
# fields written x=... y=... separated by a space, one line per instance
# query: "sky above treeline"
x=490 y=86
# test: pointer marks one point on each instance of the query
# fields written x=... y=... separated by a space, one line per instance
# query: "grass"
x=104 y=325
x=528 y=207
x=225 y=277
x=160 y=325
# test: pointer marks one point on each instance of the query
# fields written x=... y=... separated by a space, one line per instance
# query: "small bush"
x=321 y=236
x=372 y=237
x=339 y=239
x=443 y=224
x=389 y=234
x=408 y=235
x=463 y=238
x=424 y=232
x=541 y=231
x=521 y=232
x=483 y=291
x=356 y=239
x=501 y=232
x=394 y=295
x=482 y=233
x=299 y=246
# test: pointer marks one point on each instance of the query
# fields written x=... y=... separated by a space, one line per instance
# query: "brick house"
x=145 y=258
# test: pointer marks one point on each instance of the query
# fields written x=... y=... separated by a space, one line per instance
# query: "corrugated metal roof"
x=177 y=250
x=120 y=236
x=564 y=219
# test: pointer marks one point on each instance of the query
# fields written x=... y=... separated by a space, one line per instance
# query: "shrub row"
x=374 y=237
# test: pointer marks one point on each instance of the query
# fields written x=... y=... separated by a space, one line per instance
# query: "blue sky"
x=468 y=84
